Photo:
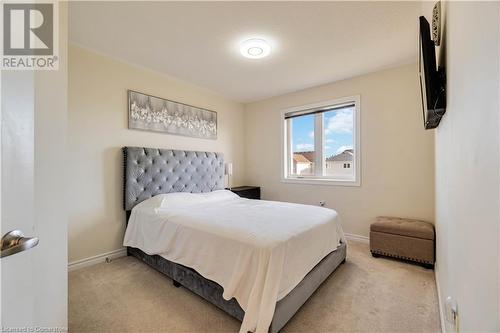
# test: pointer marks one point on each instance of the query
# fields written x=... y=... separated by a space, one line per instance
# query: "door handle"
x=14 y=242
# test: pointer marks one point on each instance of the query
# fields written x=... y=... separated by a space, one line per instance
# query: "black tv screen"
x=432 y=79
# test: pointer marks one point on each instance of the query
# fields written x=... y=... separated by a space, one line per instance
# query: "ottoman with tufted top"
x=403 y=238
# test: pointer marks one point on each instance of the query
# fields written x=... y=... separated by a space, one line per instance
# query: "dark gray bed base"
x=212 y=292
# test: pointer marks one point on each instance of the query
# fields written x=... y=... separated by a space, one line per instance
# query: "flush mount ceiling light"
x=255 y=48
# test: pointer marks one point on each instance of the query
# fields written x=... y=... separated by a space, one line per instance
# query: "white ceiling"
x=313 y=42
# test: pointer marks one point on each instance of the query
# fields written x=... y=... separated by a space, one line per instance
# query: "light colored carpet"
x=363 y=295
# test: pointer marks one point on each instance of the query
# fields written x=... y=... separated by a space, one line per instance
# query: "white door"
x=17 y=195
x=33 y=124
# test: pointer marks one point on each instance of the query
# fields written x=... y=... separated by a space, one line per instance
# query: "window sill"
x=319 y=181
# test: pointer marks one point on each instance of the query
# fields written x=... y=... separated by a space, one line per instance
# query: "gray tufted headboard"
x=148 y=172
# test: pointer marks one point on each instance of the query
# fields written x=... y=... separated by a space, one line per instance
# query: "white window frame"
x=318 y=178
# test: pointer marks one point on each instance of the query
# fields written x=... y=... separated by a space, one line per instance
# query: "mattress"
x=258 y=251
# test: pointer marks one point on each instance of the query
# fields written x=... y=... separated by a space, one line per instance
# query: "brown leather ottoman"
x=403 y=238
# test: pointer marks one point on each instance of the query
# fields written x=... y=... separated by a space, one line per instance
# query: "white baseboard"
x=96 y=259
x=357 y=238
x=123 y=252
x=440 y=303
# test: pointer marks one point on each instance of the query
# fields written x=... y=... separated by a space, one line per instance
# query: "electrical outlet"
x=322 y=203
x=451 y=311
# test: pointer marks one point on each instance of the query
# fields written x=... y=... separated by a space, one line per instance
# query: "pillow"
x=215 y=196
x=183 y=199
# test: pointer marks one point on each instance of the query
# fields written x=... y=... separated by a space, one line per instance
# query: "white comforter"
x=258 y=251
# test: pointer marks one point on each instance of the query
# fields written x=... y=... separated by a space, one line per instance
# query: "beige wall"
x=397 y=154
x=468 y=166
x=98 y=129
x=397 y=161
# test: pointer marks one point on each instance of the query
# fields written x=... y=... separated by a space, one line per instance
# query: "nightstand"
x=249 y=192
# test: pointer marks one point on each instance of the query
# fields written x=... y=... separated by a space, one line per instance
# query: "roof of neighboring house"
x=345 y=156
x=303 y=156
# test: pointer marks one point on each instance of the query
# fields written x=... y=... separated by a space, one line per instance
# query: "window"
x=321 y=143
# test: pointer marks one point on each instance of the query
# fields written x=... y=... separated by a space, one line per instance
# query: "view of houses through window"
x=303 y=145
x=322 y=143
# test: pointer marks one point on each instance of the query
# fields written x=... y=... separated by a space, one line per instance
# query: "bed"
x=219 y=238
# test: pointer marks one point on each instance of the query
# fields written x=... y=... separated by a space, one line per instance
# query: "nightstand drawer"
x=249 y=192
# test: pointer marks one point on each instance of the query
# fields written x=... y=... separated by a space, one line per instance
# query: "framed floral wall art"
x=150 y=113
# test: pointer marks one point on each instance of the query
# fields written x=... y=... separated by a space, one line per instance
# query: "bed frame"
x=148 y=172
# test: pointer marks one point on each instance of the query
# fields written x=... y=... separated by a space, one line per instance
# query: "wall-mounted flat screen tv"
x=432 y=79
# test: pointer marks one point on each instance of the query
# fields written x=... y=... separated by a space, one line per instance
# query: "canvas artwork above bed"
x=150 y=113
